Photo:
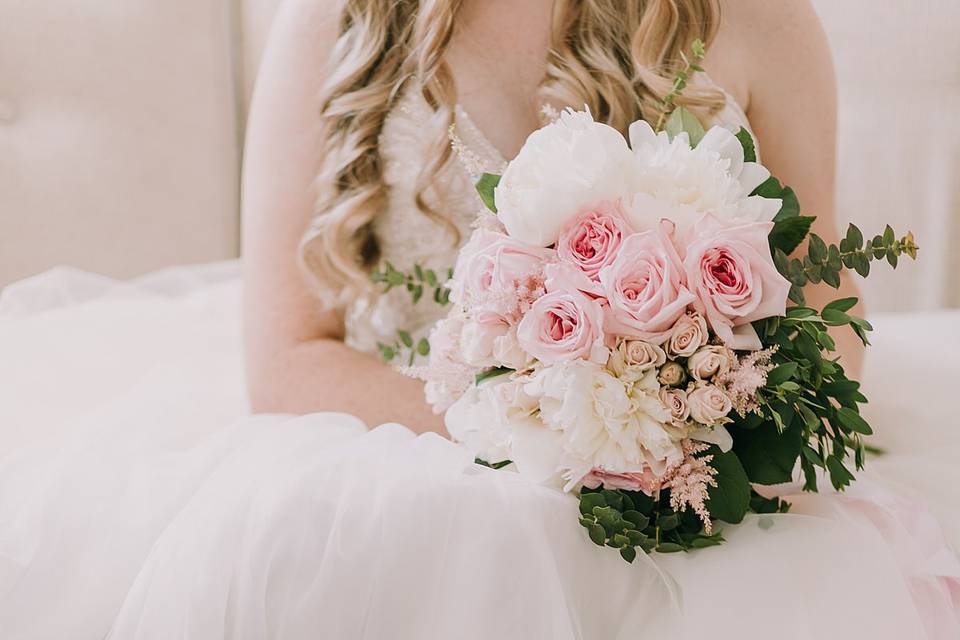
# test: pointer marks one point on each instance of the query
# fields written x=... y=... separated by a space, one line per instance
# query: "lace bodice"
x=407 y=237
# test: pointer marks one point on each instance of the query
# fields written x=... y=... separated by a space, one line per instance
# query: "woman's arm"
x=785 y=59
x=296 y=360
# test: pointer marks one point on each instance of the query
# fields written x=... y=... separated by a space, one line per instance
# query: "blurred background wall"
x=121 y=124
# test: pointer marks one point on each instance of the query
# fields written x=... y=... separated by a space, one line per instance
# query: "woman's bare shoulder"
x=759 y=37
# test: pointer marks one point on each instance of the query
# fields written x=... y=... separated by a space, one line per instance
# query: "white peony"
x=671 y=180
x=601 y=422
x=481 y=419
x=477 y=342
x=567 y=165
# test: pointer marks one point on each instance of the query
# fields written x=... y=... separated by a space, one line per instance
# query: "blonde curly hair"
x=618 y=57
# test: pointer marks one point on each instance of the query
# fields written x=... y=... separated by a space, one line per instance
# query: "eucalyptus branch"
x=824 y=263
x=680 y=80
x=416 y=282
x=404 y=344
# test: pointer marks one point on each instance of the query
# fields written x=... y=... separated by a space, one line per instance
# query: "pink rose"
x=562 y=326
x=564 y=276
x=494 y=274
x=730 y=270
x=590 y=240
x=645 y=287
x=645 y=481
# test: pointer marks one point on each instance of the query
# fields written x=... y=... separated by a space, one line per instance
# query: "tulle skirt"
x=139 y=499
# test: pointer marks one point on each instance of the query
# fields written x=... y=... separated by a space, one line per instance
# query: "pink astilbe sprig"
x=747 y=376
x=447 y=376
x=514 y=303
x=689 y=482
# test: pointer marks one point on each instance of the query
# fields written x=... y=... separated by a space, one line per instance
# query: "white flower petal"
x=717 y=435
x=745 y=338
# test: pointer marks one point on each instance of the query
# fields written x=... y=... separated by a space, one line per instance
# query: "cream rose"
x=687 y=335
x=637 y=356
x=675 y=400
x=710 y=361
x=708 y=404
x=671 y=374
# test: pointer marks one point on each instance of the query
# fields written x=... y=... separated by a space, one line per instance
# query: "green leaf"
x=637 y=519
x=423 y=347
x=668 y=521
x=843 y=304
x=486 y=186
x=840 y=477
x=796 y=295
x=702 y=542
x=801 y=312
x=852 y=420
x=767 y=456
x=781 y=374
x=771 y=188
x=405 y=338
x=787 y=234
x=628 y=553
x=669 y=547
x=730 y=499
x=492 y=465
x=749 y=147
x=854 y=237
x=597 y=534
x=491 y=373
x=817 y=249
x=682 y=120
x=590 y=500
x=835 y=317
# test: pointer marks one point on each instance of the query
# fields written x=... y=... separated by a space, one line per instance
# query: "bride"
x=135 y=508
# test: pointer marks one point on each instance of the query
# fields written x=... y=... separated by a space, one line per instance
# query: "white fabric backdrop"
x=119 y=133
x=898 y=69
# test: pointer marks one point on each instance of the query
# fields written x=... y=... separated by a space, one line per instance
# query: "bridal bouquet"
x=626 y=324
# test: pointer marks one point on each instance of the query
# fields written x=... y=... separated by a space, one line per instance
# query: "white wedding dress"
x=138 y=499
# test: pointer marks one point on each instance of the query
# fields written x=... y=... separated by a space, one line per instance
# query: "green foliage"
x=680 y=80
x=809 y=409
x=771 y=188
x=492 y=373
x=486 y=186
x=768 y=454
x=630 y=520
x=682 y=120
x=759 y=504
x=823 y=263
x=749 y=146
x=417 y=282
x=787 y=234
x=404 y=344
x=730 y=499
x=492 y=465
